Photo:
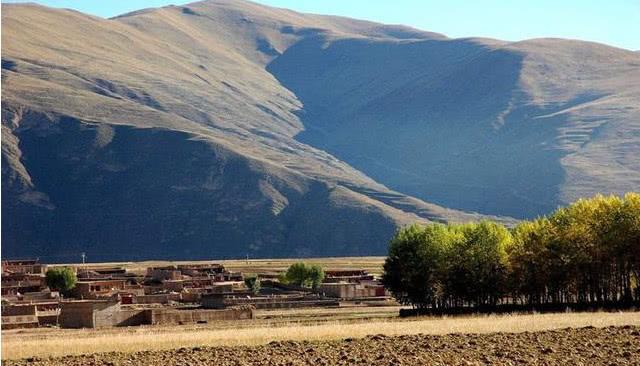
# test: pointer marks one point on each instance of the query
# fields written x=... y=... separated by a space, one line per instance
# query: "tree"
x=253 y=284
x=297 y=274
x=587 y=252
x=303 y=275
x=528 y=265
x=61 y=279
x=477 y=264
x=631 y=237
x=316 y=276
x=414 y=267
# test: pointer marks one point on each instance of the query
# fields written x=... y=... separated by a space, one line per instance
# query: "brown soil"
x=584 y=346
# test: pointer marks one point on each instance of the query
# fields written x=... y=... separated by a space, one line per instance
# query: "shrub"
x=303 y=275
x=253 y=284
x=61 y=279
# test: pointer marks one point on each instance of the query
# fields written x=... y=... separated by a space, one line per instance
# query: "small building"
x=231 y=300
x=233 y=277
x=19 y=321
x=213 y=300
x=107 y=313
x=43 y=296
x=351 y=275
x=19 y=309
x=15 y=283
x=32 y=266
x=173 y=285
x=164 y=273
x=351 y=290
x=99 y=314
x=18 y=290
x=29 y=314
x=98 y=289
x=165 y=298
x=202 y=270
x=164 y=316
x=100 y=272
x=86 y=313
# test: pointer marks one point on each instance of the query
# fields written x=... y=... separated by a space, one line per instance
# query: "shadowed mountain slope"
x=515 y=129
x=221 y=128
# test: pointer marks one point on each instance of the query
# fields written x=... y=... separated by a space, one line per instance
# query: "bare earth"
x=590 y=345
x=279 y=326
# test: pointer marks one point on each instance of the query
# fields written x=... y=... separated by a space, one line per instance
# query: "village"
x=178 y=294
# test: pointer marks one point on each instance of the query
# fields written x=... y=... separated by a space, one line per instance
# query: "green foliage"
x=316 y=276
x=253 y=284
x=588 y=252
x=477 y=265
x=297 y=274
x=282 y=278
x=303 y=275
x=414 y=269
x=61 y=279
x=530 y=264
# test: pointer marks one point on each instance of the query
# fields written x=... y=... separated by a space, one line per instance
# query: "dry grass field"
x=584 y=346
x=57 y=342
x=371 y=264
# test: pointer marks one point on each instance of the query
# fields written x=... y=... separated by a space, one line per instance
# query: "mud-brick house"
x=164 y=273
x=232 y=300
x=19 y=289
x=351 y=290
x=99 y=314
x=19 y=316
x=14 y=283
x=32 y=266
x=30 y=314
x=168 y=316
x=347 y=275
x=88 y=272
x=202 y=270
x=109 y=313
x=98 y=289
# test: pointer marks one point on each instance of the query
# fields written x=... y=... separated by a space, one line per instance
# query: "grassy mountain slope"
x=221 y=128
x=475 y=124
x=161 y=134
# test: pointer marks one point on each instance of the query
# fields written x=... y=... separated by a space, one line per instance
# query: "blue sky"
x=615 y=22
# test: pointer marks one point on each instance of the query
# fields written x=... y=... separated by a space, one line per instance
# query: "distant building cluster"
x=176 y=294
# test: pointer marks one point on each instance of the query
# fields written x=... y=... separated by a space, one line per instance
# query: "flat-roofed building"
x=351 y=290
x=32 y=266
x=88 y=313
x=164 y=273
x=97 y=289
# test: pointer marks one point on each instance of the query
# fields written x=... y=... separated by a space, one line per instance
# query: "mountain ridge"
x=256 y=88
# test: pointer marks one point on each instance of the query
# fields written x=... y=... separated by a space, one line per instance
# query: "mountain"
x=503 y=128
x=224 y=128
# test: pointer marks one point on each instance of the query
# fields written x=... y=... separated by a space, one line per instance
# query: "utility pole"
x=84 y=257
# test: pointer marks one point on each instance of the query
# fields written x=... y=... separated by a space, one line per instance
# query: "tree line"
x=586 y=253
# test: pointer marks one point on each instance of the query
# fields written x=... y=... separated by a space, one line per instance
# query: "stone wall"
x=22 y=309
x=19 y=321
x=157 y=298
x=171 y=316
x=122 y=318
x=220 y=301
x=88 y=314
x=77 y=314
